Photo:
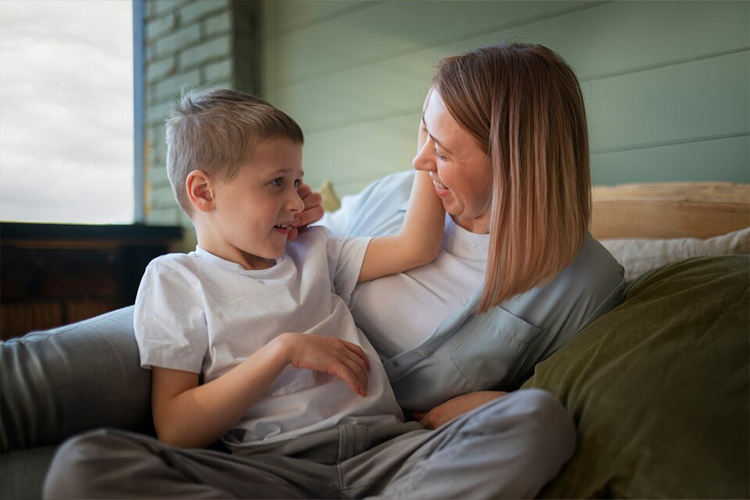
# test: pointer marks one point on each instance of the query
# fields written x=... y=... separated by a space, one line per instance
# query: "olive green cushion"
x=659 y=388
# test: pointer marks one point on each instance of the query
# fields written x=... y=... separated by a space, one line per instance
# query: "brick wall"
x=190 y=43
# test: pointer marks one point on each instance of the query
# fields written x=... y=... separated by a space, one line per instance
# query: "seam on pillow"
x=596 y=314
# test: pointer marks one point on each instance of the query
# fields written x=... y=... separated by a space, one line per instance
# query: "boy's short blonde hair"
x=216 y=131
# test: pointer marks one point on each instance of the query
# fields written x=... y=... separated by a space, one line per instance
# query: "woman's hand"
x=312 y=212
x=455 y=407
x=330 y=355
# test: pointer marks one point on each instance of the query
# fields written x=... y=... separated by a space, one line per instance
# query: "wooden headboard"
x=669 y=210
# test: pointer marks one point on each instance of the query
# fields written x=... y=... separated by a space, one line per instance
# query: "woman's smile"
x=440 y=188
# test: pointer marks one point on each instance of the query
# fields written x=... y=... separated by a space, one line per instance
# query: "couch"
x=659 y=387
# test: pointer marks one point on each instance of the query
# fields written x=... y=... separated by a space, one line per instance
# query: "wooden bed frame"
x=669 y=210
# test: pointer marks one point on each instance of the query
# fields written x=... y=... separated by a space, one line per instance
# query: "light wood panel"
x=692 y=100
x=670 y=210
x=361 y=153
x=657 y=112
x=667 y=90
x=695 y=162
x=390 y=29
x=280 y=18
x=714 y=160
x=604 y=44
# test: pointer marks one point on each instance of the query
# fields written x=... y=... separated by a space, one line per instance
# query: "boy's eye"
x=278 y=182
x=297 y=183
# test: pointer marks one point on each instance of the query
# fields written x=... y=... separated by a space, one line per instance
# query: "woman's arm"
x=193 y=416
x=417 y=243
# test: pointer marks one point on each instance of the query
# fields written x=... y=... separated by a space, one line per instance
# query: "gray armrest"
x=60 y=382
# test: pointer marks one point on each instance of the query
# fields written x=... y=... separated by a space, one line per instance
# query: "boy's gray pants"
x=507 y=448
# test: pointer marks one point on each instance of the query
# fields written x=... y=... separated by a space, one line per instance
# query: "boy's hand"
x=330 y=355
x=312 y=212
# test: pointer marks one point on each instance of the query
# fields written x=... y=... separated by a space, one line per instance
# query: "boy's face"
x=254 y=211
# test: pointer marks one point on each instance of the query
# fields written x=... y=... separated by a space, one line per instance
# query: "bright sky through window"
x=66 y=111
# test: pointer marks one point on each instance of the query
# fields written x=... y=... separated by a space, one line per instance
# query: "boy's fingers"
x=362 y=363
x=312 y=199
x=303 y=190
x=359 y=352
x=309 y=215
x=313 y=210
x=357 y=370
x=348 y=377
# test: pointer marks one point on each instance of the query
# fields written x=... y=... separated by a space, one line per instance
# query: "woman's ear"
x=200 y=191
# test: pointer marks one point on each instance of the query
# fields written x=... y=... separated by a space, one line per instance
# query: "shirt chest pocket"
x=494 y=350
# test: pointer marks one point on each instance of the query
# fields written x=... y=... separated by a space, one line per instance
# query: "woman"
x=504 y=138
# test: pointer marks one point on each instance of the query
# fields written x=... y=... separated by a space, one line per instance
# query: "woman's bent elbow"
x=422 y=255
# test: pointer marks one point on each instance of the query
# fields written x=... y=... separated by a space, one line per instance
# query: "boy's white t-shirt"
x=199 y=313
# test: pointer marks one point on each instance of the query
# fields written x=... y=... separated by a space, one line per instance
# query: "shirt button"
x=464 y=302
x=395 y=364
x=423 y=354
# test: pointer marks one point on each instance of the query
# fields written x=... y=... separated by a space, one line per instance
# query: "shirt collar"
x=463 y=243
x=207 y=256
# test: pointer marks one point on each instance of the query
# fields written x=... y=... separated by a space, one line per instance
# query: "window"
x=66 y=126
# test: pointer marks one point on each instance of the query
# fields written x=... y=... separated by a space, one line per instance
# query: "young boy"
x=249 y=343
x=249 y=337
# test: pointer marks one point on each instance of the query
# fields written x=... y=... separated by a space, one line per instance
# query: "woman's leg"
x=507 y=448
x=117 y=464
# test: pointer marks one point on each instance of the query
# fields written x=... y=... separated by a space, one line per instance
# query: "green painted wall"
x=667 y=84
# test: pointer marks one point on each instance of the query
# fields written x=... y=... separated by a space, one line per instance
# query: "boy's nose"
x=296 y=204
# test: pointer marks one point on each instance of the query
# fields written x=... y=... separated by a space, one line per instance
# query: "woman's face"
x=460 y=169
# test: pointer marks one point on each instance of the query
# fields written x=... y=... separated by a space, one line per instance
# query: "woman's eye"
x=439 y=156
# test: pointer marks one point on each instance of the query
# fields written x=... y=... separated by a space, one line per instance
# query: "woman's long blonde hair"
x=523 y=104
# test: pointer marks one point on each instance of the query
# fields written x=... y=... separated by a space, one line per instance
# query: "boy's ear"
x=200 y=191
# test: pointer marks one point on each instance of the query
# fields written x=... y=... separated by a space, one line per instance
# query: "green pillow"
x=659 y=388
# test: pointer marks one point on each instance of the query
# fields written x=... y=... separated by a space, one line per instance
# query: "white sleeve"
x=169 y=320
x=345 y=257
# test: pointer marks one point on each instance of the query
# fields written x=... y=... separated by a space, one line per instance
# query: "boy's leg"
x=119 y=464
x=507 y=448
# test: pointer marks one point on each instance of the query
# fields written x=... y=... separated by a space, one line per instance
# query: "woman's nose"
x=424 y=160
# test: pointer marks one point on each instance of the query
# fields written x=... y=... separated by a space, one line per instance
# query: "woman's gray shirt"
x=494 y=351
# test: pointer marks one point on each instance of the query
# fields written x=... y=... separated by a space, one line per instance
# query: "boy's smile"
x=253 y=212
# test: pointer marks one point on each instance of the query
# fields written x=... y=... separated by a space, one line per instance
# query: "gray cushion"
x=60 y=382
x=23 y=472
